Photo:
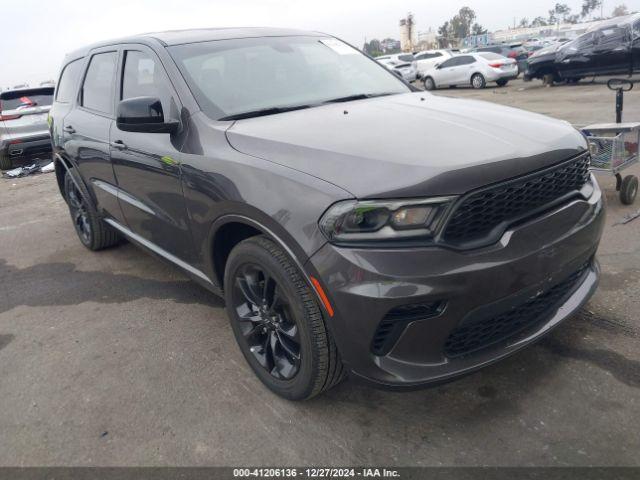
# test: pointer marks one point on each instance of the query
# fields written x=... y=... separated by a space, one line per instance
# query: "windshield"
x=232 y=77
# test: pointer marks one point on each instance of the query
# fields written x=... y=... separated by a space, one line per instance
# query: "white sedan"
x=475 y=69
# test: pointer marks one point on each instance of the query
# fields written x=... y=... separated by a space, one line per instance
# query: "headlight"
x=353 y=221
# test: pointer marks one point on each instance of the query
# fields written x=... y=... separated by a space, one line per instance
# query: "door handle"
x=69 y=129
x=119 y=144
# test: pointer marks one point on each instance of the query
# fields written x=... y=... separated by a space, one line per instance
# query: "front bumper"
x=364 y=285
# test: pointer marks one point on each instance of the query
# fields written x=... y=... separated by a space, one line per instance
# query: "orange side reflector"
x=322 y=295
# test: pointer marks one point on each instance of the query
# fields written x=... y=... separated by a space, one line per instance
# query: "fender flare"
x=294 y=251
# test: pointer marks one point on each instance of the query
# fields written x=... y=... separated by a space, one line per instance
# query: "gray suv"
x=23 y=123
x=338 y=246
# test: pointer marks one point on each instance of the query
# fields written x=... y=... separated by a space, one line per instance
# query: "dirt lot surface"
x=115 y=358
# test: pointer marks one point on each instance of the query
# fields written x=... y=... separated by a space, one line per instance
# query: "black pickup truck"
x=610 y=48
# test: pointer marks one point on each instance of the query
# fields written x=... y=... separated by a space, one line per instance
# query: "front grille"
x=395 y=321
x=484 y=333
x=481 y=214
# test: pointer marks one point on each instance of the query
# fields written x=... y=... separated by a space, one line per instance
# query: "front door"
x=147 y=165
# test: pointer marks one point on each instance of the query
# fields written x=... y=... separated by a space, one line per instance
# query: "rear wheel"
x=478 y=81
x=502 y=82
x=5 y=161
x=549 y=79
x=277 y=321
x=429 y=84
x=91 y=229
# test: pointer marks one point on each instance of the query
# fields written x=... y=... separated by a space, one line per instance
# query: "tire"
x=477 y=81
x=629 y=189
x=277 y=322
x=502 y=82
x=429 y=83
x=548 y=79
x=5 y=161
x=90 y=228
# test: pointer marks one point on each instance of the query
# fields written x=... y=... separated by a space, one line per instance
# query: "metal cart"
x=614 y=147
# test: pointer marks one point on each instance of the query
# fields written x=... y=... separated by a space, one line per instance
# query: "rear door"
x=612 y=52
x=86 y=130
x=147 y=165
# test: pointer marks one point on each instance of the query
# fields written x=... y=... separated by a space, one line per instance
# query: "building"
x=407 y=33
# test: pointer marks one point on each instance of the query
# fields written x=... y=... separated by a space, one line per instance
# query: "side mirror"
x=437 y=65
x=143 y=114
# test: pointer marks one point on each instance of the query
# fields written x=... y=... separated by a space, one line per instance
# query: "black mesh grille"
x=480 y=213
x=481 y=334
x=395 y=321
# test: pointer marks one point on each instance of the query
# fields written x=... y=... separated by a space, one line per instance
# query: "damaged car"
x=610 y=48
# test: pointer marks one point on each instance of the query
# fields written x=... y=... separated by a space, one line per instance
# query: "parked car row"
x=610 y=48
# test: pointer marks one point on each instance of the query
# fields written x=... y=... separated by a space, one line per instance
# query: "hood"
x=408 y=145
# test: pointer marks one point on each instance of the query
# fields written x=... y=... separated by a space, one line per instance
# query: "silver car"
x=475 y=69
x=23 y=123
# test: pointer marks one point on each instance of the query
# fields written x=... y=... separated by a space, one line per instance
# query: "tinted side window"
x=466 y=60
x=98 y=88
x=452 y=62
x=144 y=77
x=68 y=82
x=636 y=30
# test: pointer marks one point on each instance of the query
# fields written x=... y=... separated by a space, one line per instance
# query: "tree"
x=620 y=10
x=589 y=6
x=539 y=22
x=524 y=23
x=559 y=13
x=461 y=23
x=478 y=29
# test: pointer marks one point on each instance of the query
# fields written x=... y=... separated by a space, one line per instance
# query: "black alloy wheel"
x=277 y=321
x=92 y=231
x=266 y=321
x=79 y=210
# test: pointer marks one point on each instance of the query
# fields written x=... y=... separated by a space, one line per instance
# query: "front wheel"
x=478 y=81
x=429 y=84
x=277 y=321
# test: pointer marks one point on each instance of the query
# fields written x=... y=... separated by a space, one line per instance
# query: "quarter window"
x=98 y=88
x=68 y=84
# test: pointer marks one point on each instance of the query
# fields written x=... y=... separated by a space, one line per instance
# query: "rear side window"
x=68 y=82
x=98 y=88
x=34 y=97
x=466 y=60
x=452 y=62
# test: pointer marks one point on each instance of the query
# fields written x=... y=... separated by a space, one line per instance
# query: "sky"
x=36 y=34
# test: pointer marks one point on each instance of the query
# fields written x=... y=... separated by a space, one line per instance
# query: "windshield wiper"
x=358 y=96
x=264 y=111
